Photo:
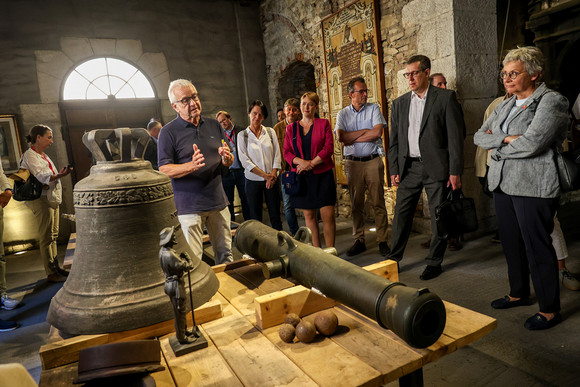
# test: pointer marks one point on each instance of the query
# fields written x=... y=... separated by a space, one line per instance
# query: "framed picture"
x=10 y=151
x=352 y=48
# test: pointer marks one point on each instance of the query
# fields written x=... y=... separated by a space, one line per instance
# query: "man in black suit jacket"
x=425 y=151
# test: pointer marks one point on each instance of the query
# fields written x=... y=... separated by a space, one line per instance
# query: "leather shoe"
x=384 y=249
x=357 y=248
x=431 y=272
x=505 y=303
x=538 y=322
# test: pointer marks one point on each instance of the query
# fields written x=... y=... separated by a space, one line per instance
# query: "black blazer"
x=440 y=138
x=151 y=153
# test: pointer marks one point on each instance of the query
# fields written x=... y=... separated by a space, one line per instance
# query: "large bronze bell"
x=116 y=282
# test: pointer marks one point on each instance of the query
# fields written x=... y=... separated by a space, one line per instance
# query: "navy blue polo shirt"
x=202 y=190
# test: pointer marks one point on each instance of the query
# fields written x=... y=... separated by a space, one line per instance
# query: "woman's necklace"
x=256 y=131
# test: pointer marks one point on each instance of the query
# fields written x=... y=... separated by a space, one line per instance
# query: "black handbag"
x=456 y=215
x=566 y=162
x=291 y=183
x=26 y=186
x=290 y=179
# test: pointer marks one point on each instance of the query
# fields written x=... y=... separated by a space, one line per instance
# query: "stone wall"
x=459 y=37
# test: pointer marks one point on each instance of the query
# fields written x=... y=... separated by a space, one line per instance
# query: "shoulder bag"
x=26 y=186
x=567 y=169
x=291 y=179
x=456 y=215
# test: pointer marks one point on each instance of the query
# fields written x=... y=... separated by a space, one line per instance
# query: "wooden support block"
x=386 y=269
x=232 y=265
x=272 y=308
x=67 y=351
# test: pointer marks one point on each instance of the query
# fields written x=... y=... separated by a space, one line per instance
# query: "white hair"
x=531 y=57
x=176 y=84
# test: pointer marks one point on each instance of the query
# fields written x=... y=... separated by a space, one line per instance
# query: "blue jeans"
x=235 y=179
x=256 y=192
x=289 y=212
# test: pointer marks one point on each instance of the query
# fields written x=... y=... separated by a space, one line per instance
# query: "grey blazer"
x=526 y=166
x=440 y=138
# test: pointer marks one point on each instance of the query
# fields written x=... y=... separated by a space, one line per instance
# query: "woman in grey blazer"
x=523 y=133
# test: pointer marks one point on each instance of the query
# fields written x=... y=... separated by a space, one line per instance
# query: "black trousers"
x=408 y=195
x=525 y=225
x=256 y=192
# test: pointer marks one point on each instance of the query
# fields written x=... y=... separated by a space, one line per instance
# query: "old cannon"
x=415 y=315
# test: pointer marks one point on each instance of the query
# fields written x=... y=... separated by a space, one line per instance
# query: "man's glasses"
x=187 y=100
x=413 y=73
x=512 y=74
x=362 y=91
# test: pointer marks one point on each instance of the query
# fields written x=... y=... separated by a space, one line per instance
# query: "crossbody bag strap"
x=295 y=138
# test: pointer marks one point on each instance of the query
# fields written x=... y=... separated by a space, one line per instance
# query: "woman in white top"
x=259 y=153
x=45 y=208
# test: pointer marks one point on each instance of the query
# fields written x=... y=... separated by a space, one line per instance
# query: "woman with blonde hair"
x=308 y=148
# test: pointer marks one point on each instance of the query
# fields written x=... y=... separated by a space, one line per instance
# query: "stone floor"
x=472 y=277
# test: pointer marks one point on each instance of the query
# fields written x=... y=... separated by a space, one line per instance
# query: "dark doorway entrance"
x=296 y=80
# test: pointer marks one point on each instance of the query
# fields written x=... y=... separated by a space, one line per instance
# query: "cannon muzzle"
x=415 y=315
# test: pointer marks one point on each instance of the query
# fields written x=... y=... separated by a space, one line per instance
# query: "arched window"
x=106 y=78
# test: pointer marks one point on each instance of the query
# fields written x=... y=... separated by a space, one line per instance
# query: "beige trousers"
x=366 y=176
x=47 y=218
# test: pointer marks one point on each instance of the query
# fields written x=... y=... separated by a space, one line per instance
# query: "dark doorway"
x=297 y=79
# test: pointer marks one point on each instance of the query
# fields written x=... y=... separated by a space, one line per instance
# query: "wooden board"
x=251 y=356
x=232 y=265
x=326 y=362
x=232 y=288
x=253 y=278
x=376 y=346
x=67 y=351
x=201 y=368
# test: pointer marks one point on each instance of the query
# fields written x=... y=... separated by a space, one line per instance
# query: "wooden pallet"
x=245 y=349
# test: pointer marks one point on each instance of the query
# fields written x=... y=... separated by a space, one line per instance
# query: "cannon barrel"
x=415 y=315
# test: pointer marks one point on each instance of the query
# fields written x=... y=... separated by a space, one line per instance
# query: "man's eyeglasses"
x=362 y=91
x=187 y=100
x=512 y=74
x=413 y=73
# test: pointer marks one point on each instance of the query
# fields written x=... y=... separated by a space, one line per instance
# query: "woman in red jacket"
x=308 y=148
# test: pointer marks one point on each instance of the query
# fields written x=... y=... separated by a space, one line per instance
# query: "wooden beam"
x=272 y=308
x=67 y=351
